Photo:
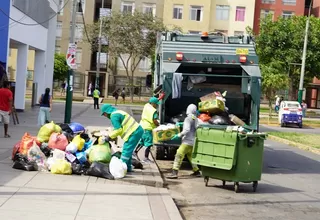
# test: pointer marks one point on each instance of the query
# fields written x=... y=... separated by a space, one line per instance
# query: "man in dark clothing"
x=3 y=73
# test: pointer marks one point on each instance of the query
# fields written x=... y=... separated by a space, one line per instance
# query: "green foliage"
x=60 y=67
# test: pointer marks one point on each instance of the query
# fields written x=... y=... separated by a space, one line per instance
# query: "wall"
x=4 y=29
x=278 y=8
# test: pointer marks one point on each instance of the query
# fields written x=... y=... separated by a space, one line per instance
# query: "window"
x=222 y=12
x=238 y=33
x=177 y=11
x=78 y=57
x=268 y=1
x=145 y=64
x=125 y=58
x=287 y=14
x=265 y=13
x=81 y=6
x=59 y=30
x=58 y=50
x=79 y=31
x=127 y=7
x=196 y=13
x=103 y=60
x=194 y=32
x=60 y=8
x=240 y=13
x=149 y=9
x=289 y=2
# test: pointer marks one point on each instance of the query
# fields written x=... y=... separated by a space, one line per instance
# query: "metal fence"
x=120 y=82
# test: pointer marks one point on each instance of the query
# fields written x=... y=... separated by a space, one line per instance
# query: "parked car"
x=290 y=113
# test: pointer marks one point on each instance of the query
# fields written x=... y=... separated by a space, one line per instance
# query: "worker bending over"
x=149 y=121
x=188 y=136
x=127 y=128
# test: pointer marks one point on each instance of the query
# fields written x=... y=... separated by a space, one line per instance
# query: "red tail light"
x=299 y=109
x=286 y=109
x=243 y=59
x=179 y=56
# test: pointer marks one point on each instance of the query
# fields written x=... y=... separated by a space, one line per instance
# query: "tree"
x=60 y=67
x=131 y=37
x=282 y=41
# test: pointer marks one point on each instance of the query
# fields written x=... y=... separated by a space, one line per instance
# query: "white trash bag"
x=118 y=169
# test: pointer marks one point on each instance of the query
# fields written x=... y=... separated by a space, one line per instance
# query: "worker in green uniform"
x=188 y=135
x=127 y=128
x=149 y=121
x=96 y=96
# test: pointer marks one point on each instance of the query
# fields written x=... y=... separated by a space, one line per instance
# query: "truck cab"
x=219 y=63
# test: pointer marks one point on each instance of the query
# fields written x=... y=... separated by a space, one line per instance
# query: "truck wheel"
x=255 y=185
x=160 y=153
x=283 y=124
x=300 y=125
x=171 y=152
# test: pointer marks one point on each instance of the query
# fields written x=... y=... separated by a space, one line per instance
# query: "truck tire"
x=172 y=150
x=160 y=152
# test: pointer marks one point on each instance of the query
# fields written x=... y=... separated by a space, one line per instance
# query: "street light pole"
x=99 y=48
x=68 y=106
x=304 y=54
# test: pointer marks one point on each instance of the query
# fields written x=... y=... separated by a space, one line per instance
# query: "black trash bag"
x=178 y=118
x=220 y=120
x=79 y=169
x=85 y=137
x=66 y=128
x=45 y=149
x=98 y=169
x=21 y=162
x=136 y=163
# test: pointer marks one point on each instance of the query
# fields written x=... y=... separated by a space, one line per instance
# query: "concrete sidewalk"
x=38 y=195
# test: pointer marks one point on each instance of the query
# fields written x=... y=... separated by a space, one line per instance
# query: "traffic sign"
x=71 y=56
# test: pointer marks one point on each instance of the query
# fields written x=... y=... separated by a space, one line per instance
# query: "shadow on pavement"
x=288 y=162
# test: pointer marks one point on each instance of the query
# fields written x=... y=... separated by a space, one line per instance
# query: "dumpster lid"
x=252 y=70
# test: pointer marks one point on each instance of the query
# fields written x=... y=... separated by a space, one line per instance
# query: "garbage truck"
x=215 y=62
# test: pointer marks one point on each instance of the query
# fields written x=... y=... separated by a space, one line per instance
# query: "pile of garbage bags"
x=68 y=149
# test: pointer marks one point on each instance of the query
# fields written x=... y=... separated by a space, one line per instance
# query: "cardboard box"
x=208 y=97
x=213 y=106
x=164 y=135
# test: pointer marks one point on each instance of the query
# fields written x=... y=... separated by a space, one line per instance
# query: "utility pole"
x=304 y=54
x=99 y=48
x=68 y=106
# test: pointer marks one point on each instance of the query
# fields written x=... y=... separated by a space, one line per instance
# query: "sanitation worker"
x=149 y=121
x=127 y=128
x=187 y=135
x=96 y=96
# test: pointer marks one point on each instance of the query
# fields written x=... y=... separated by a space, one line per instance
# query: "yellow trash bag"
x=46 y=131
x=79 y=142
x=61 y=167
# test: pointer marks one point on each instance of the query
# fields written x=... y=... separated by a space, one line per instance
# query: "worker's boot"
x=173 y=175
x=196 y=174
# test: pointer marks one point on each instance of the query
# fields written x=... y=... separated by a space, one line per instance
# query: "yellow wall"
x=12 y=61
x=209 y=22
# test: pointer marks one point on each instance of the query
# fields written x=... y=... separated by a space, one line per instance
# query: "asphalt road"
x=307 y=130
x=289 y=190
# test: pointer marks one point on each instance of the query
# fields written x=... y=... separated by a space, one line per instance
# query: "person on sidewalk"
x=188 y=136
x=127 y=128
x=149 y=121
x=123 y=95
x=96 y=97
x=304 y=108
x=6 y=98
x=116 y=94
x=45 y=102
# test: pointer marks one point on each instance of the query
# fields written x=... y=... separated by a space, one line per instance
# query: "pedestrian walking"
x=3 y=74
x=45 y=102
x=277 y=106
x=116 y=94
x=96 y=96
x=6 y=99
x=125 y=126
x=188 y=135
x=63 y=88
x=90 y=89
x=123 y=95
x=304 y=108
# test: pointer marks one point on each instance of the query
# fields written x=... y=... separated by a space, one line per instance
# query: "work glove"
x=179 y=124
x=198 y=113
x=175 y=137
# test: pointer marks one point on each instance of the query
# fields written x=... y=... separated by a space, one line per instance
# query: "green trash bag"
x=100 y=153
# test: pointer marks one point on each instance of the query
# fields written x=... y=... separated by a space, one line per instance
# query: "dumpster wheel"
x=255 y=185
x=223 y=183
x=236 y=187
x=206 y=181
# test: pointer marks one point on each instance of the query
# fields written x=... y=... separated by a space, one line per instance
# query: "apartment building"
x=284 y=8
x=230 y=17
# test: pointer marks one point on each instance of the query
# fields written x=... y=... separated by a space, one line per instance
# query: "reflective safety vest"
x=147 y=117
x=129 y=125
x=96 y=93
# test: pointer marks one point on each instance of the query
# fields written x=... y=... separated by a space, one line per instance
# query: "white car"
x=290 y=112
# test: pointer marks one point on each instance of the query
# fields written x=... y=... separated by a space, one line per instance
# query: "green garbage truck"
x=215 y=62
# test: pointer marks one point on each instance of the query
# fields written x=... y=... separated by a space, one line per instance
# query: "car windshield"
x=293 y=105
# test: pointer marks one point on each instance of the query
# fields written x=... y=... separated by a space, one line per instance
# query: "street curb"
x=294 y=144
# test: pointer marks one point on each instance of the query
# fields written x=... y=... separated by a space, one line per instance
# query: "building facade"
x=284 y=8
x=194 y=17
x=28 y=25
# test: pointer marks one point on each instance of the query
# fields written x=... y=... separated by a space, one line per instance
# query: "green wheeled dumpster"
x=229 y=155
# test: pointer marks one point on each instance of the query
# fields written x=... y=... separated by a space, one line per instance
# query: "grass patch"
x=305 y=139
